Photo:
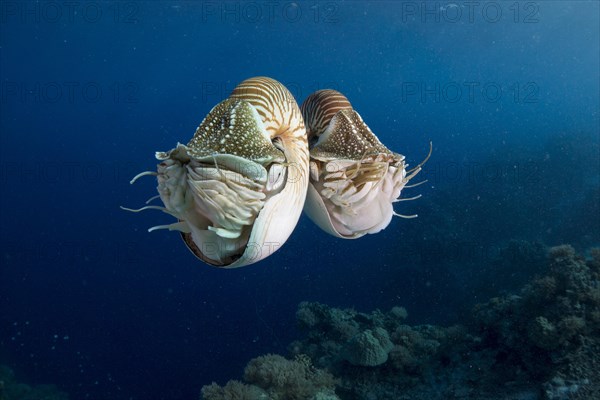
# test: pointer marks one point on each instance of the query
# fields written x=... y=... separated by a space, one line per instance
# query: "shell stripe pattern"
x=282 y=119
x=319 y=108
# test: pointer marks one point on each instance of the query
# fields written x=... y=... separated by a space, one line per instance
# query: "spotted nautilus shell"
x=354 y=178
x=237 y=189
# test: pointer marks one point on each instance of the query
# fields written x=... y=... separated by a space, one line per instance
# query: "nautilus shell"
x=354 y=178
x=237 y=189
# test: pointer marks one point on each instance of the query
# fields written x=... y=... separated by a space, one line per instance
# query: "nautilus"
x=237 y=189
x=354 y=178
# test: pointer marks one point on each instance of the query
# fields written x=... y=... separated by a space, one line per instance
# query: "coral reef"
x=389 y=358
x=10 y=389
x=542 y=342
x=550 y=330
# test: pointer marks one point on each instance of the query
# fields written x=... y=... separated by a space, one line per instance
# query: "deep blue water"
x=508 y=92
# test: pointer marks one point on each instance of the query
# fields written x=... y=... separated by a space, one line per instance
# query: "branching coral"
x=273 y=377
x=288 y=379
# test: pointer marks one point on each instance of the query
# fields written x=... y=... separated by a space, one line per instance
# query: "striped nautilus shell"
x=354 y=178
x=238 y=187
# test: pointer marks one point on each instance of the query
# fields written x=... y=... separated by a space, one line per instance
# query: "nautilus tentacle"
x=238 y=187
x=354 y=178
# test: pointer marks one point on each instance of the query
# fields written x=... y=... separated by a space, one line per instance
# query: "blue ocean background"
x=89 y=301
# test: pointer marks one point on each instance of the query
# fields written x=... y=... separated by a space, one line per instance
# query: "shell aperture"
x=354 y=178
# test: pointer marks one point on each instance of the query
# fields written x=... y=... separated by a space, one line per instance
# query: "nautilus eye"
x=238 y=187
x=354 y=178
